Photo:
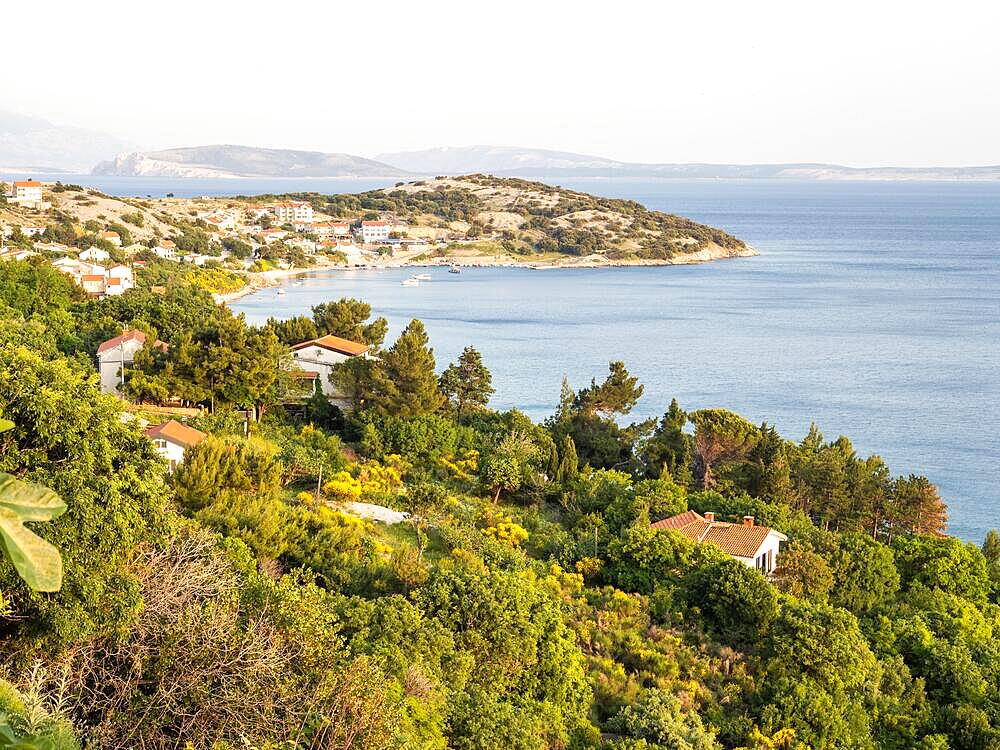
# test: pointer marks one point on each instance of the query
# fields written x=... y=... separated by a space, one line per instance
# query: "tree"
x=864 y=573
x=669 y=448
x=618 y=393
x=803 y=573
x=293 y=330
x=505 y=466
x=347 y=318
x=659 y=718
x=467 y=383
x=568 y=462
x=917 y=506
x=991 y=551
x=403 y=382
x=720 y=435
x=424 y=501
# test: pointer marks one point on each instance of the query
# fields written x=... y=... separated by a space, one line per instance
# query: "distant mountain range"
x=541 y=163
x=31 y=144
x=244 y=161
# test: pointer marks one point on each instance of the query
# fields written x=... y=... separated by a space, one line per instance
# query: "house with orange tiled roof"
x=113 y=237
x=291 y=212
x=114 y=354
x=374 y=231
x=171 y=439
x=751 y=544
x=28 y=193
x=321 y=355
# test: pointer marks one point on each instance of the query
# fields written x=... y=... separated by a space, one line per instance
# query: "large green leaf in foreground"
x=37 y=561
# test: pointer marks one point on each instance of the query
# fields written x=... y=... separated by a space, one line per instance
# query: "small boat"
x=410 y=282
x=454 y=269
x=281 y=291
x=423 y=277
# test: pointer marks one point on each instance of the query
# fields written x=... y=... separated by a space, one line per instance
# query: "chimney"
x=748 y=520
x=710 y=516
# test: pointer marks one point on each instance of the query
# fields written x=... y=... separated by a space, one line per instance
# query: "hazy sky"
x=858 y=83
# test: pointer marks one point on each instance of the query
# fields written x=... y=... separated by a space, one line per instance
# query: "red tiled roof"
x=335 y=344
x=92 y=277
x=176 y=432
x=304 y=374
x=27 y=183
x=374 y=223
x=129 y=336
x=736 y=539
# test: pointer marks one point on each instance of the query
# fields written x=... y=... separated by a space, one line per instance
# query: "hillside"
x=546 y=164
x=243 y=161
x=531 y=220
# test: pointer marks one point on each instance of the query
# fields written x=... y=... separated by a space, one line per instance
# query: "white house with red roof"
x=171 y=439
x=113 y=237
x=753 y=545
x=114 y=354
x=374 y=231
x=95 y=255
x=28 y=193
x=322 y=354
x=292 y=212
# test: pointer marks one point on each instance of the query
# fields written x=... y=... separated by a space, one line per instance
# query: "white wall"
x=109 y=364
x=170 y=450
x=322 y=361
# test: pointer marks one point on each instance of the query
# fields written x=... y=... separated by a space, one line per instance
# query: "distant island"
x=227 y=161
x=546 y=164
x=224 y=161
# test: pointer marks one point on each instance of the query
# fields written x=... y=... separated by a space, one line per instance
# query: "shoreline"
x=273 y=278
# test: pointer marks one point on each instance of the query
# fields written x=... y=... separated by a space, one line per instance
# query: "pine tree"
x=569 y=463
x=467 y=383
x=403 y=381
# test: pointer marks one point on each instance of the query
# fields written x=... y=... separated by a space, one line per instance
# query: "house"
x=28 y=193
x=119 y=280
x=754 y=546
x=166 y=249
x=93 y=283
x=171 y=439
x=95 y=254
x=273 y=235
x=320 y=355
x=220 y=220
x=295 y=212
x=32 y=230
x=113 y=237
x=16 y=253
x=114 y=354
x=374 y=231
x=326 y=229
x=54 y=247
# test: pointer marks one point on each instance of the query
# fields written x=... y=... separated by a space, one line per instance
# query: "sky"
x=855 y=83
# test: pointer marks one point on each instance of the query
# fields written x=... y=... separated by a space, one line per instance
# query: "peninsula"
x=232 y=246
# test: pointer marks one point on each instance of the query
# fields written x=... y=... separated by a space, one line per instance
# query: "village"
x=242 y=238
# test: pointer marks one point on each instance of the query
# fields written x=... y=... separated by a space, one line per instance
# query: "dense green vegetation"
x=524 y=603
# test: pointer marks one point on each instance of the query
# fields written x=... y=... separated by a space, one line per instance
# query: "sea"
x=873 y=311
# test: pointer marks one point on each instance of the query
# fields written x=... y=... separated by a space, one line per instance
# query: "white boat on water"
x=454 y=269
x=281 y=291
x=410 y=282
x=423 y=277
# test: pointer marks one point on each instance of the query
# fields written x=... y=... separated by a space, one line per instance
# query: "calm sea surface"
x=873 y=310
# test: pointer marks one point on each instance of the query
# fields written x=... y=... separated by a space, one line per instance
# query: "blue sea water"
x=873 y=310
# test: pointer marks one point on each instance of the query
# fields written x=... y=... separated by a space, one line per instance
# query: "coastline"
x=273 y=278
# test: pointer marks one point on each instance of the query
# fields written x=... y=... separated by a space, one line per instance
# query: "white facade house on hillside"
x=114 y=354
x=171 y=439
x=95 y=255
x=28 y=193
x=374 y=231
x=320 y=355
x=295 y=212
x=754 y=546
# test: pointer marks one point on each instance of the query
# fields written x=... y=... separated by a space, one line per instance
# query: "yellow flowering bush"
x=375 y=477
x=343 y=488
x=463 y=469
x=506 y=530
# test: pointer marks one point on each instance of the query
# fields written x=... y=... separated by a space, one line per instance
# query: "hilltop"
x=514 y=221
x=243 y=161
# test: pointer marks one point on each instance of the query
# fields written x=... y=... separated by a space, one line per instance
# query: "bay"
x=873 y=310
